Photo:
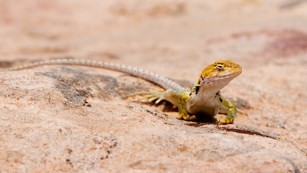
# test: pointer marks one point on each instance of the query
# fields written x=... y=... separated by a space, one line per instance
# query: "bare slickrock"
x=79 y=119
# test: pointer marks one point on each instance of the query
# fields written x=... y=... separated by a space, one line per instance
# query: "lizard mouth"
x=220 y=81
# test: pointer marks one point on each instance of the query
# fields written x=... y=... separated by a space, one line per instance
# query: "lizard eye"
x=219 y=67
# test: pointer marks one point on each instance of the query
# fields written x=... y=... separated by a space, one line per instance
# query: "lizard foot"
x=155 y=96
x=227 y=120
x=187 y=117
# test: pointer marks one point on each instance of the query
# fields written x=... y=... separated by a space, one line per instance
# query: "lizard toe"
x=226 y=120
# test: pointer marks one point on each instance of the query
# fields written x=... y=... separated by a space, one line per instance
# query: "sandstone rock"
x=78 y=119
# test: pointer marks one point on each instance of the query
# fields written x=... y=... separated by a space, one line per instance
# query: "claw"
x=158 y=101
x=187 y=117
x=226 y=120
x=152 y=99
x=137 y=94
x=147 y=96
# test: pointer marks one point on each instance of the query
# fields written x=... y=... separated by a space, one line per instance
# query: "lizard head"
x=212 y=79
x=219 y=74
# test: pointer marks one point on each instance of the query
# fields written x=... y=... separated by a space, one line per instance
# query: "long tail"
x=144 y=74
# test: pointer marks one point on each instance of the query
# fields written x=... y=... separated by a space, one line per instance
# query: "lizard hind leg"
x=155 y=96
x=177 y=98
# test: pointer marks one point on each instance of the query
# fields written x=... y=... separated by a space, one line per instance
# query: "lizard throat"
x=217 y=81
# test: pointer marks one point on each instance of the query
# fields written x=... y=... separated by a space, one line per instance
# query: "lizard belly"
x=205 y=104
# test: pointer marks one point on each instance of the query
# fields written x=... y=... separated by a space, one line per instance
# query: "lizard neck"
x=204 y=96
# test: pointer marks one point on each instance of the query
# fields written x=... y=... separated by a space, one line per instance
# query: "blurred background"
x=184 y=33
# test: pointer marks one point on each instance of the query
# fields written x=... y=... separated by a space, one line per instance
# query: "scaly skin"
x=203 y=99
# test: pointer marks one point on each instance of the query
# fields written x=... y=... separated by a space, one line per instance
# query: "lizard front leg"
x=182 y=107
x=228 y=108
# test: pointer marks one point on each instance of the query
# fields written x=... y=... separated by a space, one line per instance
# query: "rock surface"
x=77 y=119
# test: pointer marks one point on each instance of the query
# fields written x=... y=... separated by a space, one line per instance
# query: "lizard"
x=203 y=99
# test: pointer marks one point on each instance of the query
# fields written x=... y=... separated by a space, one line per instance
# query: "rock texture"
x=77 y=119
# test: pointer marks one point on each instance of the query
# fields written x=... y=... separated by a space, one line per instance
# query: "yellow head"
x=219 y=74
x=221 y=68
x=212 y=79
